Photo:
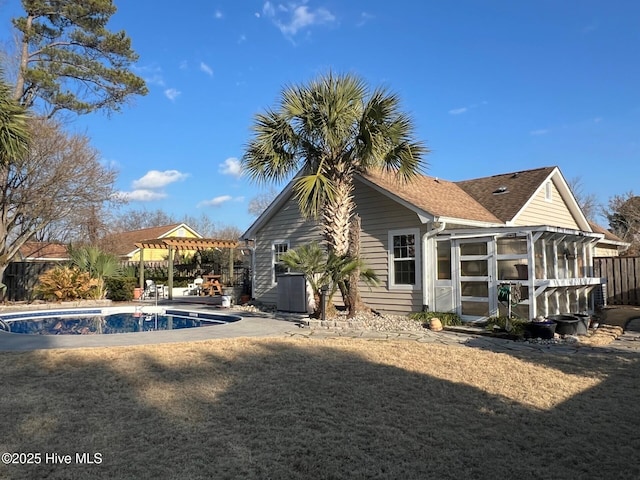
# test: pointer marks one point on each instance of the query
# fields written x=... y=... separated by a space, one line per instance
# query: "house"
x=451 y=246
x=123 y=244
x=34 y=251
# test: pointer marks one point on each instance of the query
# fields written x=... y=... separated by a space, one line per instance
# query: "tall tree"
x=260 y=202
x=624 y=220
x=70 y=61
x=60 y=173
x=329 y=130
x=588 y=202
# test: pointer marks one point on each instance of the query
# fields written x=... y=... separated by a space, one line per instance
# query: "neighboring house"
x=450 y=246
x=42 y=252
x=124 y=244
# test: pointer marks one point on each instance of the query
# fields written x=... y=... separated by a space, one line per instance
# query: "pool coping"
x=250 y=325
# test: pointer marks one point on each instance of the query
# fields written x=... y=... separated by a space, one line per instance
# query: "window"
x=278 y=248
x=444 y=260
x=548 y=191
x=404 y=259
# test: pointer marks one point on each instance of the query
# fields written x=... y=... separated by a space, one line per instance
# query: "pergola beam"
x=180 y=243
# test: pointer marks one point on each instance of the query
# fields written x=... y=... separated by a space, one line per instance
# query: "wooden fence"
x=21 y=277
x=623 y=279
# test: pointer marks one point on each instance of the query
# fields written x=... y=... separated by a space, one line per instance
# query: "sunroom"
x=545 y=271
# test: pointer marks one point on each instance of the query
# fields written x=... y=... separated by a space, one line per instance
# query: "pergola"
x=180 y=243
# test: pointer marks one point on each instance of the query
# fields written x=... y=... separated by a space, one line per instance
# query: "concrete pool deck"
x=251 y=325
x=259 y=324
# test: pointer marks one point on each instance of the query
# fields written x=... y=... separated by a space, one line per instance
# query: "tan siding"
x=287 y=224
x=380 y=214
x=542 y=212
x=603 y=251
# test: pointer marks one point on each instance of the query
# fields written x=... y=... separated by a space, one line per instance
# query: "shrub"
x=65 y=284
x=120 y=289
x=446 y=318
x=514 y=326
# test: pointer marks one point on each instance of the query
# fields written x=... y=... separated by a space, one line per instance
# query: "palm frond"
x=312 y=191
x=14 y=129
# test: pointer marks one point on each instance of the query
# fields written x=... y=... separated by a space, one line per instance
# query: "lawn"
x=320 y=409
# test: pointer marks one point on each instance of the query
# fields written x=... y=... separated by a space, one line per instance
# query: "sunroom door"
x=477 y=290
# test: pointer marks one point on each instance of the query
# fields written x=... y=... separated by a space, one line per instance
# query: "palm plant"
x=14 y=133
x=328 y=131
x=98 y=264
x=321 y=268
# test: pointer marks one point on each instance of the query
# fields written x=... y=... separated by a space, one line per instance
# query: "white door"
x=476 y=292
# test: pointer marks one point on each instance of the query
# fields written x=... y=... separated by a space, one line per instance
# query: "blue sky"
x=493 y=87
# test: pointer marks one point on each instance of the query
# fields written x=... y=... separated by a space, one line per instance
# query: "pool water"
x=98 y=324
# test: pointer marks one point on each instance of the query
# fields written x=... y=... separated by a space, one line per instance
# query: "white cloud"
x=293 y=17
x=218 y=14
x=364 y=18
x=231 y=166
x=216 y=201
x=206 y=69
x=542 y=131
x=172 y=93
x=151 y=74
x=156 y=179
x=141 y=195
x=458 y=111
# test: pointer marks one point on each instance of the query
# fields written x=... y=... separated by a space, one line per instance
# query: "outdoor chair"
x=150 y=290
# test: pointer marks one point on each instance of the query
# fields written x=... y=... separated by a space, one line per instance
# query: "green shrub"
x=446 y=318
x=120 y=289
x=514 y=326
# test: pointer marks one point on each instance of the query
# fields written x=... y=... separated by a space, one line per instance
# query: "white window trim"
x=418 y=259
x=273 y=257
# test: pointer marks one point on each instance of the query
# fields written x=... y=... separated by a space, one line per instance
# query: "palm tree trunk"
x=336 y=223
x=337 y=216
x=354 y=302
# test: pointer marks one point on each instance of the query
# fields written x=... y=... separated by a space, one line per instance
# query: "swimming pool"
x=111 y=320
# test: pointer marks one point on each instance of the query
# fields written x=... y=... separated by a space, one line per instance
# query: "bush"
x=120 y=289
x=446 y=318
x=66 y=284
x=514 y=326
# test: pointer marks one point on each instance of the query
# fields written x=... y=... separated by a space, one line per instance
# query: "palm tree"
x=14 y=133
x=328 y=131
x=98 y=264
x=322 y=269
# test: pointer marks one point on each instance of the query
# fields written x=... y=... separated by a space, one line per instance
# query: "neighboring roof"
x=124 y=243
x=608 y=236
x=43 y=251
x=440 y=198
x=505 y=195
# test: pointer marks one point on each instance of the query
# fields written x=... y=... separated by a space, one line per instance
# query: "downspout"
x=252 y=249
x=425 y=277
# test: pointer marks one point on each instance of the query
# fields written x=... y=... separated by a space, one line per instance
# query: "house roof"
x=440 y=198
x=124 y=243
x=608 y=236
x=506 y=194
x=43 y=251
x=466 y=202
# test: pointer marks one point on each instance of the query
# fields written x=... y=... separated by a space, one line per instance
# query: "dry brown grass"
x=306 y=409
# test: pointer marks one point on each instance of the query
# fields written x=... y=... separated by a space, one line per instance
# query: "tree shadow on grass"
x=290 y=409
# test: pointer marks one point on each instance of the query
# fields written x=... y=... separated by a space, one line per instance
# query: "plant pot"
x=544 y=330
x=566 y=324
x=583 y=323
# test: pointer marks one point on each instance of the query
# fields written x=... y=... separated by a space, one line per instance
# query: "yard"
x=313 y=409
